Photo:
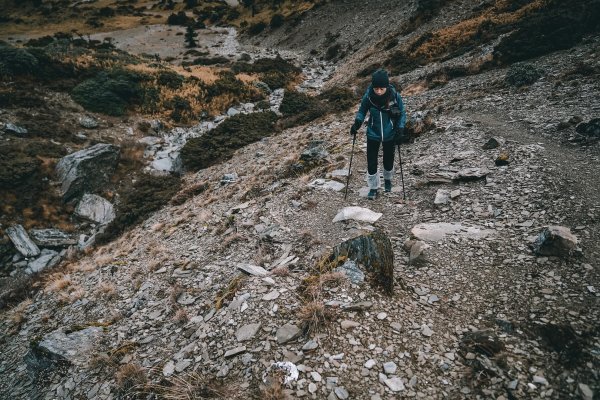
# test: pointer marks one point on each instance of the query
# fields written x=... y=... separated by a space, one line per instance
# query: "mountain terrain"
x=175 y=223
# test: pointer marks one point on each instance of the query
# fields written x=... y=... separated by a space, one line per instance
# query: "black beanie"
x=380 y=79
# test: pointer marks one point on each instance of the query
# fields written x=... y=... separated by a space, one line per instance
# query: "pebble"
x=390 y=367
x=395 y=384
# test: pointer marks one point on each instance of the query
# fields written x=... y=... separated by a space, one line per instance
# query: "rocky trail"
x=237 y=289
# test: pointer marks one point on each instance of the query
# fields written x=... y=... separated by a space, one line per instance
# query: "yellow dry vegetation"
x=445 y=39
x=287 y=8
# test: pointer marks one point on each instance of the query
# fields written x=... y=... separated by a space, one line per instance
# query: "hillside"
x=225 y=272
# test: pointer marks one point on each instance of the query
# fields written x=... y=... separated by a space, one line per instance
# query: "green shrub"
x=276 y=21
x=296 y=102
x=170 y=79
x=209 y=60
x=267 y=65
x=339 y=99
x=220 y=143
x=229 y=84
x=257 y=28
x=15 y=61
x=148 y=194
x=182 y=109
x=299 y=108
x=109 y=93
x=522 y=74
x=275 y=79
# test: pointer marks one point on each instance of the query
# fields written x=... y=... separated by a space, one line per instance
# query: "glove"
x=400 y=136
x=355 y=127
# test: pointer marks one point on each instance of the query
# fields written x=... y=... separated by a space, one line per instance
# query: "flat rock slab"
x=253 y=269
x=286 y=333
x=327 y=185
x=59 y=347
x=24 y=245
x=435 y=232
x=357 y=214
x=52 y=238
x=247 y=332
x=47 y=259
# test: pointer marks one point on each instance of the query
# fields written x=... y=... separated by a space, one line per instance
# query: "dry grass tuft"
x=17 y=316
x=314 y=316
x=230 y=291
x=191 y=387
x=131 y=377
x=58 y=282
x=181 y=317
x=176 y=291
x=273 y=391
x=107 y=290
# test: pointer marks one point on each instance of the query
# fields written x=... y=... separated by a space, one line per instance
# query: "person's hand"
x=399 y=136
x=355 y=127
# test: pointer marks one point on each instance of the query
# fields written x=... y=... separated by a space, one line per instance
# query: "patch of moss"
x=522 y=74
x=148 y=194
x=220 y=143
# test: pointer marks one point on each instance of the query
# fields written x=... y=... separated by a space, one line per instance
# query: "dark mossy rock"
x=522 y=74
x=110 y=93
x=374 y=252
x=148 y=194
x=220 y=143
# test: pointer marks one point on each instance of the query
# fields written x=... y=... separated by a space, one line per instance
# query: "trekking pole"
x=350 y=166
x=401 y=173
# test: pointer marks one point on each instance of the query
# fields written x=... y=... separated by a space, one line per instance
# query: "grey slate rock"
x=61 y=349
x=352 y=271
x=24 y=245
x=555 y=241
x=14 y=129
x=247 y=332
x=47 y=259
x=52 y=238
x=287 y=333
x=86 y=170
x=374 y=251
x=95 y=208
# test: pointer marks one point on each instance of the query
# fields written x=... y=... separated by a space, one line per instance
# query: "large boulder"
x=374 y=252
x=95 y=208
x=555 y=241
x=22 y=242
x=86 y=170
x=59 y=348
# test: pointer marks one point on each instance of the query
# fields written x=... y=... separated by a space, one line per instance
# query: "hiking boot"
x=372 y=194
x=388 y=185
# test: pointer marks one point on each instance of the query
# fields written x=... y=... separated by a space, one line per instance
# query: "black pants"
x=373 y=152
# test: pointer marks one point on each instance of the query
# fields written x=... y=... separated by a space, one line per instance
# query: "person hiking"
x=385 y=127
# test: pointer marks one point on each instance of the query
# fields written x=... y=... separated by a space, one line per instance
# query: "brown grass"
x=230 y=291
x=314 y=317
x=191 y=387
x=107 y=290
x=281 y=271
x=58 y=282
x=131 y=377
x=181 y=317
x=273 y=391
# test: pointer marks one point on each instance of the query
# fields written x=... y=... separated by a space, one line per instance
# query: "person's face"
x=379 y=91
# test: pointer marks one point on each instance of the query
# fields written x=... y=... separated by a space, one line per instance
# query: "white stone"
x=253 y=269
x=370 y=364
x=390 y=368
x=95 y=208
x=357 y=214
x=247 y=332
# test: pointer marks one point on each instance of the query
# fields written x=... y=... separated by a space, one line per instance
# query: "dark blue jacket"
x=380 y=126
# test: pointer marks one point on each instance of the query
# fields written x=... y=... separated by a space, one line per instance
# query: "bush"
x=219 y=144
x=15 y=61
x=109 y=94
x=170 y=79
x=339 y=99
x=300 y=108
x=181 y=109
x=179 y=19
x=229 y=84
x=275 y=79
x=522 y=74
x=333 y=51
x=148 y=194
x=276 y=21
x=257 y=28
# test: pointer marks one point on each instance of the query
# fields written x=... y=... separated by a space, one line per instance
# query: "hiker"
x=385 y=126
